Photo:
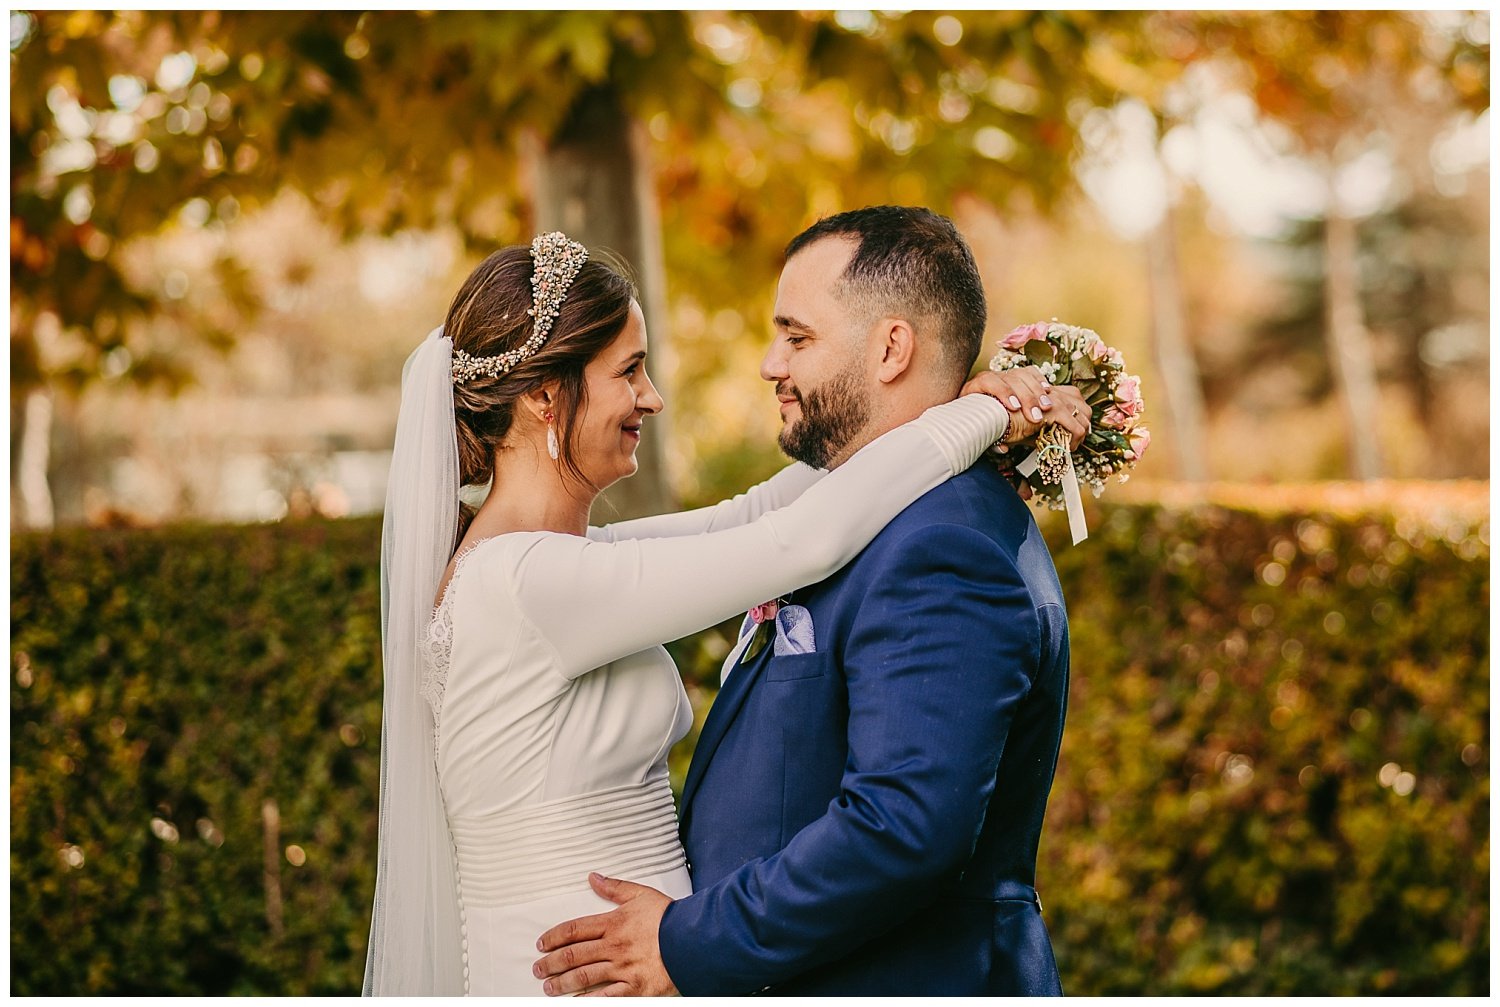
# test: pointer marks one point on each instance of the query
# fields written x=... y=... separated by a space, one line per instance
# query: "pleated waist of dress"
x=549 y=849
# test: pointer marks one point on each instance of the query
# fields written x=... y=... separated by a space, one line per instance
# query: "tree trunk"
x=1174 y=354
x=34 y=460
x=1349 y=345
x=593 y=181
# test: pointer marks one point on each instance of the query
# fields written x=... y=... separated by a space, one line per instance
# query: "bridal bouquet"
x=1072 y=355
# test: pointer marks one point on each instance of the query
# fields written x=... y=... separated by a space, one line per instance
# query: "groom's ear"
x=898 y=347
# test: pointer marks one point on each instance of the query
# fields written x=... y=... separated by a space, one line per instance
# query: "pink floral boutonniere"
x=765 y=612
x=764 y=617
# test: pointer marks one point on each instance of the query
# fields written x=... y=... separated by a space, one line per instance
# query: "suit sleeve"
x=776 y=492
x=944 y=648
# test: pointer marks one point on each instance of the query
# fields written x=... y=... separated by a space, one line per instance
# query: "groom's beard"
x=831 y=416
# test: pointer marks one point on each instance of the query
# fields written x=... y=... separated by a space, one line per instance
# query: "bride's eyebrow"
x=786 y=322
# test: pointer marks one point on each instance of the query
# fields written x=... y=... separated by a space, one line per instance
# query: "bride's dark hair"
x=489 y=316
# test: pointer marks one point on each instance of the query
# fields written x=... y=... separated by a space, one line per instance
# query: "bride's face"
x=620 y=397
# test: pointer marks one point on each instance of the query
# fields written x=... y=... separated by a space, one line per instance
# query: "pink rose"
x=1128 y=395
x=1115 y=418
x=1115 y=357
x=1140 y=440
x=764 y=612
x=1023 y=334
x=1097 y=350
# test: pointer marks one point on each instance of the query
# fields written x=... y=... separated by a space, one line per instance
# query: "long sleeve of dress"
x=773 y=494
x=596 y=602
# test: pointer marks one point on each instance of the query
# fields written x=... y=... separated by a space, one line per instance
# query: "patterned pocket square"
x=794 y=631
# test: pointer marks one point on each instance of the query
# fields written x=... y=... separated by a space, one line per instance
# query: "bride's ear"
x=539 y=402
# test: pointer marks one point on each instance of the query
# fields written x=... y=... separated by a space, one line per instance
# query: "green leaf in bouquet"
x=1112 y=436
x=1039 y=351
x=1089 y=388
x=1083 y=367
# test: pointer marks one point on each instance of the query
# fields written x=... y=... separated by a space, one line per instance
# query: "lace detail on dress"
x=436 y=649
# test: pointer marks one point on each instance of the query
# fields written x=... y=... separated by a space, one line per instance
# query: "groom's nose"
x=773 y=364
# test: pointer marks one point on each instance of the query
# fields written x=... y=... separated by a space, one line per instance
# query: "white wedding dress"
x=556 y=705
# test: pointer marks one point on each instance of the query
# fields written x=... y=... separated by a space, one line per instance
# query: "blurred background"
x=228 y=229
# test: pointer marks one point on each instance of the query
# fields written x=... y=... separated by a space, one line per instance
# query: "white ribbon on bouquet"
x=1077 y=526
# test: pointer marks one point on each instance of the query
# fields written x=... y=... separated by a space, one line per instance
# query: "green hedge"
x=166 y=685
x=1242 y=685
x=1274 y=779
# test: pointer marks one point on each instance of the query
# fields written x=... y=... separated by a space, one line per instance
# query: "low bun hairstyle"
x=489 y=316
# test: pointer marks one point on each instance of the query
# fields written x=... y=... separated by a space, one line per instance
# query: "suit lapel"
x=726 y=706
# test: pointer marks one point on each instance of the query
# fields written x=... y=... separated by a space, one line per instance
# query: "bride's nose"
x=650 y=401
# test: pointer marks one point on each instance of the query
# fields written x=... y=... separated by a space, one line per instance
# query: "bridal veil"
x=415 y=940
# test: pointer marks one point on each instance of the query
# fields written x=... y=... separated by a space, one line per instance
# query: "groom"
x=864 y=804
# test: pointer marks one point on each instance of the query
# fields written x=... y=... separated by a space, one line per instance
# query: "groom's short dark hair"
x=911 y=263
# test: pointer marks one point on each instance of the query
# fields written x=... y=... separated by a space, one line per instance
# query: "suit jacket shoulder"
x=980 y=501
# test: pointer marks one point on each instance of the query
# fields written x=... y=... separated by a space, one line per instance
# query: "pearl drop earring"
x=552 y=448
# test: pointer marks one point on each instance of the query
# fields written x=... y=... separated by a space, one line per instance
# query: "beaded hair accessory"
x=557 y=260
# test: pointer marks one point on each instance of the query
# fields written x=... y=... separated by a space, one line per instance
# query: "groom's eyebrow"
x=784 y=322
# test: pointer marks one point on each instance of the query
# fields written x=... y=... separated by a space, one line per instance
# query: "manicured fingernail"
x=1015 y=403
x=1046 y=402
x=1036 y=413
x=536 y=970
x=547 y=988
x=539 y=945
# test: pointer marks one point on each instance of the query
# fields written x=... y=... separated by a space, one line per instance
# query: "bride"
x=529 y=706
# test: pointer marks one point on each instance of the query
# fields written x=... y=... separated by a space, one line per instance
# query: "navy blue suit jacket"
x=865 y=819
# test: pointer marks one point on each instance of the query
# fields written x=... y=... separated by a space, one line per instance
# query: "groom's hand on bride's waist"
x=612 y=954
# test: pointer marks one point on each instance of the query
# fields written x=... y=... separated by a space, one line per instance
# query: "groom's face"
x=817 y=360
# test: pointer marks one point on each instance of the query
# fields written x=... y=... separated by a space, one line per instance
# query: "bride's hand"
x=1033 y=402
